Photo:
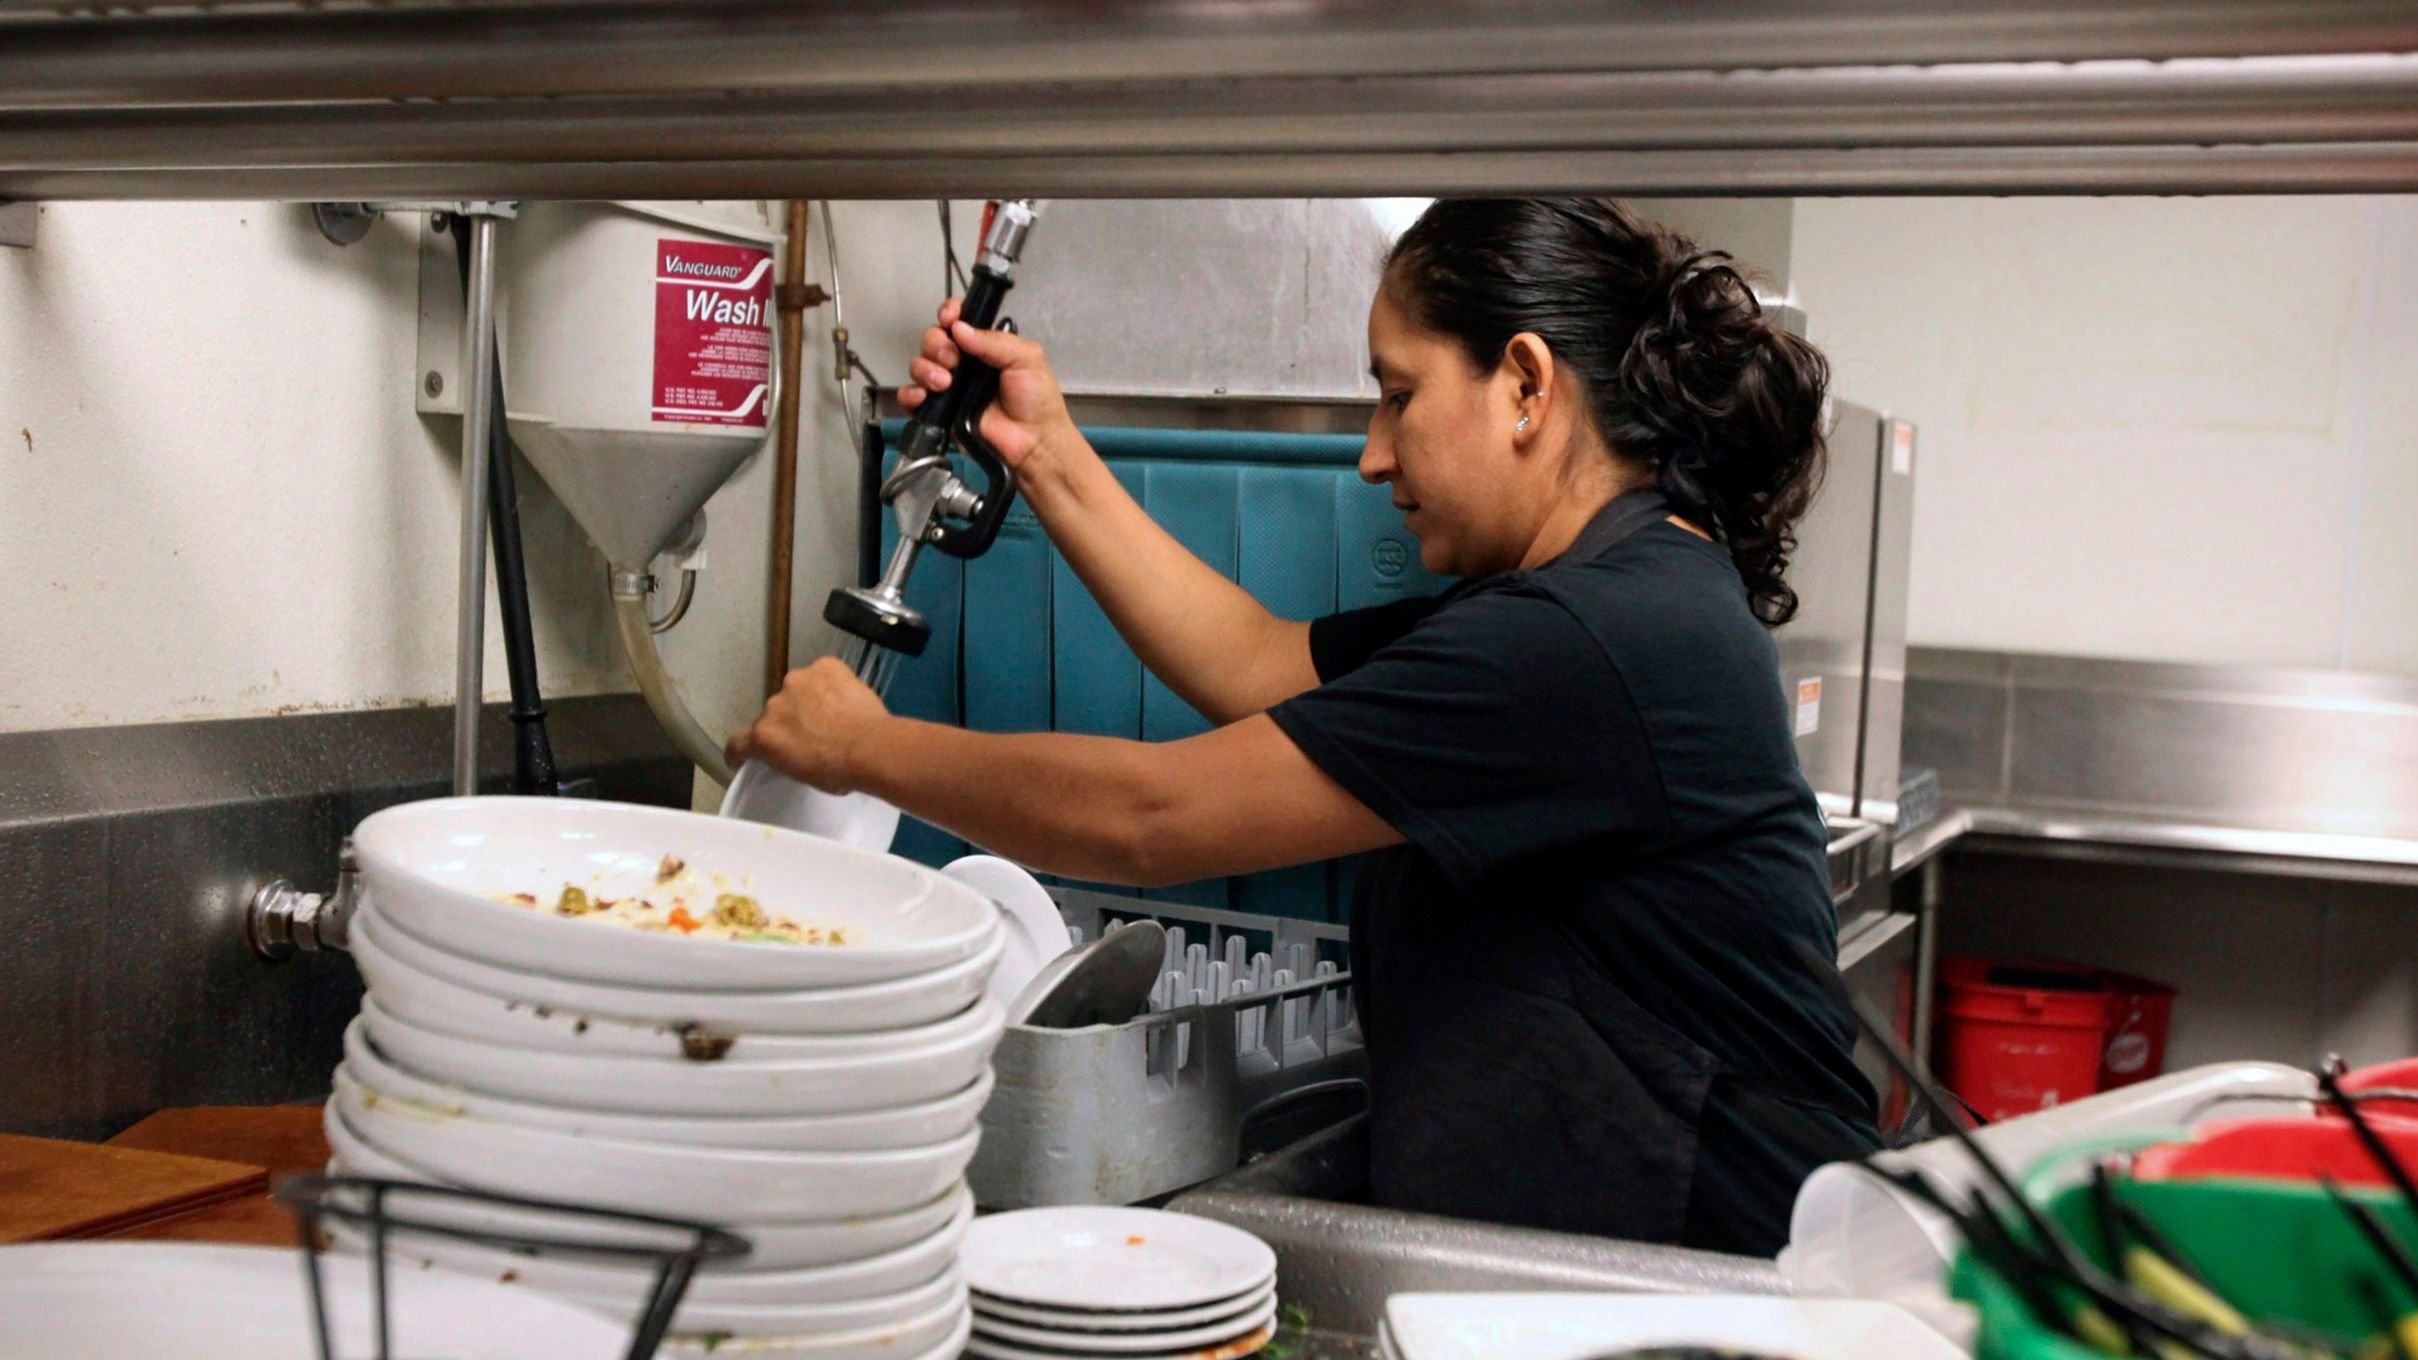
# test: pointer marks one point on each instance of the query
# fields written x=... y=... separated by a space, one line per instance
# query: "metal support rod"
x=373 y=53
x=478 y=418
x=2364 y=98
x=2370 y=168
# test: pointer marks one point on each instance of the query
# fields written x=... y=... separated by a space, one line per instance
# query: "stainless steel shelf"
x=2119 y=840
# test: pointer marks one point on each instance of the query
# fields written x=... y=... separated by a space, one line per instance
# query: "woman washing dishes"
x=1595 y=866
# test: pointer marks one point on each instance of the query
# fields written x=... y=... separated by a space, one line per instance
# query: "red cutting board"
x=51 y=1189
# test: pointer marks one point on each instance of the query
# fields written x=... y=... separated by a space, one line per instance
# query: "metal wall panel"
x=2268 y=749
x=127 y=856
x=1823 y=646
x=1157 y=297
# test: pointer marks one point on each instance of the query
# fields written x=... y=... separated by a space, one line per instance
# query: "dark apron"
x=1512 y=1082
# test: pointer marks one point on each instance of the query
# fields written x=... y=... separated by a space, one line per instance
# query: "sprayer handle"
x=978 y=385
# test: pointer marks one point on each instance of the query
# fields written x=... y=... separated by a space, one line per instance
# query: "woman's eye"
x=1397 y=400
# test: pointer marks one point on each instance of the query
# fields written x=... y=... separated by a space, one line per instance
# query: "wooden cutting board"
x=50 y=1188
x=284 y=1138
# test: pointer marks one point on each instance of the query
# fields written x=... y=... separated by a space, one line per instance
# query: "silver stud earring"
x=1522 y=425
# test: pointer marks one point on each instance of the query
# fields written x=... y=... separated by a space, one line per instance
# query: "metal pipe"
x=2336 y=99
x=83 y=60
x=2286 y=168
x=793 y=299
x=655 y=683
x=478 y=418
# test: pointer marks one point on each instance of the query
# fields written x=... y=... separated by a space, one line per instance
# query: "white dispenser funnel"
x=638 y=361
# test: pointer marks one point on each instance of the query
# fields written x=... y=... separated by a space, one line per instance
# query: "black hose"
x=533 y=768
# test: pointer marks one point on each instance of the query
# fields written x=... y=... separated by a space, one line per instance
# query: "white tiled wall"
x=216 y=499
x=2178 y=428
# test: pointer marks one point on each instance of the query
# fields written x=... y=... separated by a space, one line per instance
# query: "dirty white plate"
x=932 y=1121
x=1036 y=933
x=854 y=1077
x=1106 y=1259
x=1209 y=1335
x=990 y=1348
x=1580 y=1326
x=424 y=998
x=936 y=1335
x=618 y=1291
x=146 y=1300
x=434 y=868
x=716 y=1185
x=917 y=999
x=776 y=1246
x=1155 y=1320
x=760 y=793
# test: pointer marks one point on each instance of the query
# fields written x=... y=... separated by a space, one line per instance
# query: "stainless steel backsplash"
x=2264 y=748
x=127 y=855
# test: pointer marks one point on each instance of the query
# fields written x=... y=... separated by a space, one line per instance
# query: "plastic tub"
x=2018 y=1037
x=2233 y=1232
x=2304 y=1150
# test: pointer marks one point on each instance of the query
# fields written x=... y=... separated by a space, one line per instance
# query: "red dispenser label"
x=713 y=333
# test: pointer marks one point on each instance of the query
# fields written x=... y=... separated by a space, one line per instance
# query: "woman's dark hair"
x=1683 y=372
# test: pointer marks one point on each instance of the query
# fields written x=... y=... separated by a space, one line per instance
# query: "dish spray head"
x=932 y=505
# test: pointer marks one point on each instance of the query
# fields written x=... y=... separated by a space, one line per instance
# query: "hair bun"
x=1684 y=373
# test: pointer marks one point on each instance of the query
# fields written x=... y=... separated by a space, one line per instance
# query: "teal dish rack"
x=1019 y=646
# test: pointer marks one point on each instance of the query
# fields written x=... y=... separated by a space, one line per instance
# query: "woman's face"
x=1442 y=441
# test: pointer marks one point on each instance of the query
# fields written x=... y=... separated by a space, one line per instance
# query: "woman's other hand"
x=1030 y=411
x=812 y=729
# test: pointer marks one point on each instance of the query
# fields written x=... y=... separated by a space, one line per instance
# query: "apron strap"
x=1622 y=516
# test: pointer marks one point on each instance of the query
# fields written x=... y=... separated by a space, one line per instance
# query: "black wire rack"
x=381 y=1209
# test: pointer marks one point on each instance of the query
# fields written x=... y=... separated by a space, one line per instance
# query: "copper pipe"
x=792 y=297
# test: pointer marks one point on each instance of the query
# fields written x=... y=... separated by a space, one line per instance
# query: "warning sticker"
x=713 y=333
x=1809 y=706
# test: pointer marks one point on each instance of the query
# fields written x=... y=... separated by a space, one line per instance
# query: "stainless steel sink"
x=1339 y=1261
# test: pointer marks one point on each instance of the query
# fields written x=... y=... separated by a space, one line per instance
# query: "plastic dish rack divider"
x=1118 y=1114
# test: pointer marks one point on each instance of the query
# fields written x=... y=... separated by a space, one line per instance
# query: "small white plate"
x=718 y=1185
x=1577 y=1326
x=432 y=868
x=1036 y=932
x=933 y=1121
x=848 y=1082
x=144 y=1300
x=1066 y=1320
x=760 y=793
x=917 y=999
x=1210 y=1335
x=1105 y=1259
x=1253 y=1344
x=777 y=1246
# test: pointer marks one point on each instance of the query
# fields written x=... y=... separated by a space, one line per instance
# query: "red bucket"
x=2139 y=1012
x=2018 y=1036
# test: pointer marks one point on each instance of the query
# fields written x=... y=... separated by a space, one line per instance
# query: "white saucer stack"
x=820 y=1101
x=1084 y=1283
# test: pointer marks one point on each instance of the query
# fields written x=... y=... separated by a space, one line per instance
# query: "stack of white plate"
x=820 y=1101
x=1132 y=1284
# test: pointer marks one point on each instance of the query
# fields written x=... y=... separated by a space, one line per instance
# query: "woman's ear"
x=1527 y=374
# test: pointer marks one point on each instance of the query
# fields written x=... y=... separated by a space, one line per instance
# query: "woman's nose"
x=1377 y=460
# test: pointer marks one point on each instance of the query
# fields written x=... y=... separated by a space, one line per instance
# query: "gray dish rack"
x=1121 y=1114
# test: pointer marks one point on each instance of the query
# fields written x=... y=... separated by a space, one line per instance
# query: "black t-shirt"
x=1582 y=979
